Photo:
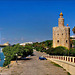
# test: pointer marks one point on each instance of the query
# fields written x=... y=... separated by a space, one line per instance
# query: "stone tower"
x=61 y=34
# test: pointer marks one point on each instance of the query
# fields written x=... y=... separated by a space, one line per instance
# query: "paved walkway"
x=34 y=66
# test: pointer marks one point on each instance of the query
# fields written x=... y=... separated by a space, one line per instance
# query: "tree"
x=73 y=30
x=73 y=42
x=60 y=50
x=10 y=52
x=72 y=52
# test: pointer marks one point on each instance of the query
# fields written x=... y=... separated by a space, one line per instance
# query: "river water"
x=1 y=57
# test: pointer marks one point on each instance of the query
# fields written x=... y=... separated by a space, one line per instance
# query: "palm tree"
x=73 y=30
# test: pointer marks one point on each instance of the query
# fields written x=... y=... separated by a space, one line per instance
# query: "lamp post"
x=16 y=57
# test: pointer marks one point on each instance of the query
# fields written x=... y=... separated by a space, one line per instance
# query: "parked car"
x=23 y=58
x=42 y=58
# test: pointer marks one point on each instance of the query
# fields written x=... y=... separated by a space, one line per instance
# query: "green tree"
x=10 y=52
x=73 y=30
x=57 y=51
x=72 y=52
x=73 y=42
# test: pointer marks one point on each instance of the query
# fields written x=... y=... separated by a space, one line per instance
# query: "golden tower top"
x=61 y=14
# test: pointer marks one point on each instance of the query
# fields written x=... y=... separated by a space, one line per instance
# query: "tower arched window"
x=66 y=41
x=57 y=41
x=57 y=34
x=66 y=33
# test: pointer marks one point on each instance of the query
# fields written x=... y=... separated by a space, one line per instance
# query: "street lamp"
x=16 y=57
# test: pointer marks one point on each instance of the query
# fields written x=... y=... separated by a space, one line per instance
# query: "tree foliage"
x=57 y=51
x=42 y=46
x=10 y=52
x=73 y=30
x=73 y=42
x=46 y=46
x=72 y=52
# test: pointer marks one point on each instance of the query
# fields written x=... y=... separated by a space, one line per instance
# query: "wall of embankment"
x=68 y=63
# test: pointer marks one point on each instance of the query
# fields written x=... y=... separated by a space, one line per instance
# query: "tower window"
x=62 y=33
x=66 y=33
x=57 y=34
x=57 y=41
x=66 y=41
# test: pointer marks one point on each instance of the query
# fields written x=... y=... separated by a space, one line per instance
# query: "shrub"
x=72 y=52
x=57 y=51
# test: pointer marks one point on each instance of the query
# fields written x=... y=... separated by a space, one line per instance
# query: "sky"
x=32 y=21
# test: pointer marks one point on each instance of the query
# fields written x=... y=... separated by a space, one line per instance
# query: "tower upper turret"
x=61 y=20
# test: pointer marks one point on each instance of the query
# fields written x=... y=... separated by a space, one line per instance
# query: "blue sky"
x=24 y=21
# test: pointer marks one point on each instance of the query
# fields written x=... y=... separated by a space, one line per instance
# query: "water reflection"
x=1 y=57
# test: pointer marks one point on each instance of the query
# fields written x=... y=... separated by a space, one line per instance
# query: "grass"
x=56 y=64
x=68 y=73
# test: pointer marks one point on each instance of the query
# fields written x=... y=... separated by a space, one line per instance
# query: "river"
x=1 y=57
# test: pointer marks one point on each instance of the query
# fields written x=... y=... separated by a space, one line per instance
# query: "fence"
x=65 y=58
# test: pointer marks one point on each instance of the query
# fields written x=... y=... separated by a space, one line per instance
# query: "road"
x=34 y=66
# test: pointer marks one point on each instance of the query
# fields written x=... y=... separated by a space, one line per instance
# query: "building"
x=61 y=34
x=72 y=41
x=6 y=44
x=72 y=37
x=23 y=44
